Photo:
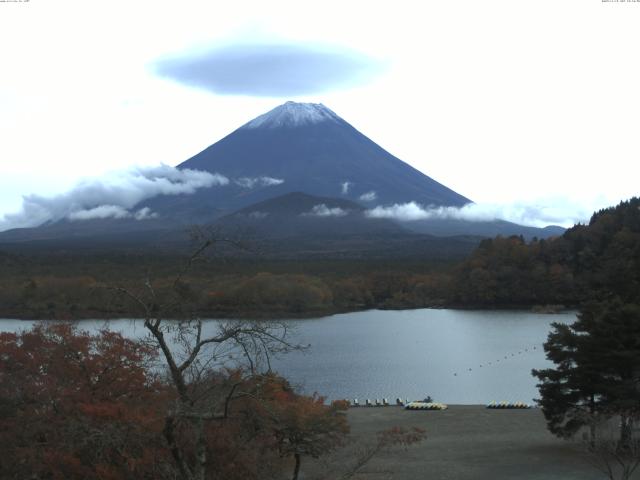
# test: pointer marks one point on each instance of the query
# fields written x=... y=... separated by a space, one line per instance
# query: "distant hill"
x=449 y=226
x=298 y=214
x=292 y=226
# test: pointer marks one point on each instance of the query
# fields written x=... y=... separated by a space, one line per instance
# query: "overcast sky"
x=508 y=102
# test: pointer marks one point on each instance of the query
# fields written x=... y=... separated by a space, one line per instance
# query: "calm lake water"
x=455 y=356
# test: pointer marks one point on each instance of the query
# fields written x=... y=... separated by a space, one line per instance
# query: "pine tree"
x=597 y=371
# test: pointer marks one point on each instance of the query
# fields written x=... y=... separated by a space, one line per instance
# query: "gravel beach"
x=463 y=442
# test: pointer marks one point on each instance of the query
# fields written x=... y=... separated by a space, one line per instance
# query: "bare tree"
x=385 y=440
x=607 y=452
x=192 y=351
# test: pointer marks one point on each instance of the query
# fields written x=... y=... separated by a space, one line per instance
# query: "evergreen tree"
x=597 y=369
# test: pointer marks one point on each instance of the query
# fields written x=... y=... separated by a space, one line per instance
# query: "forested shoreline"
x=502 y=273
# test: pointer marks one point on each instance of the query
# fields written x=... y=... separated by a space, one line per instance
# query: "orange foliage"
x=80 y=406
x=76 y=405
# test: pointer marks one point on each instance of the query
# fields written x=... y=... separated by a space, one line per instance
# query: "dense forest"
x=504 y=272
x=560 y=271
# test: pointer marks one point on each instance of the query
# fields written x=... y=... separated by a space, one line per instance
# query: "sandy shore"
x=463 y=442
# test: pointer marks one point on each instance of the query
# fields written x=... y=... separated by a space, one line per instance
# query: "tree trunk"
x=296 y=469
x=593 y=421
x=626 y=425
x=201 y=450
x=169 y=431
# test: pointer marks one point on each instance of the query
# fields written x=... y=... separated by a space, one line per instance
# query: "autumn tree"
x=75 y=405
x=191 y=351
x=304 y=425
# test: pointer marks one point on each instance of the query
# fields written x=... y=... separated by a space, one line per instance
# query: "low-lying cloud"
x=111 y=211
x=248 y=182
x=536 y=214
x=113 y=196
x=103 y=211
x=368 y=197
x=270 y=70
x=322 y=210
x=345 y=187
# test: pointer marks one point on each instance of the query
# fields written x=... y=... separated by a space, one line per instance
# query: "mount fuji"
x=297 y=152
x=301 y=147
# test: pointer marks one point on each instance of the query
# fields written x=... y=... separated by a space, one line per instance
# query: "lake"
x=455 y=356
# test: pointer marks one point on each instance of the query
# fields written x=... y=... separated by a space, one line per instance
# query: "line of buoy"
x=506 y=357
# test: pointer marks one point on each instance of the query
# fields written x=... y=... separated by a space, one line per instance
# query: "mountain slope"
x=307 y=148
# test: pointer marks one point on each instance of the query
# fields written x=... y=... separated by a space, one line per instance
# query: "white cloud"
x=248 y=182
x=111 y=211
x=404 y=212
x=322 y=210
x=103 y=211
x=555 y=211
x=345 y=187
x=145 y=214
x=259 y=215
x=369 y=196
x=112 y=196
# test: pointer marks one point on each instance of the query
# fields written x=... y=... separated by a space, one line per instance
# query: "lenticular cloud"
x=113 y=196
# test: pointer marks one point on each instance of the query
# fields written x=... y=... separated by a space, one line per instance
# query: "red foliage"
x=78 y=406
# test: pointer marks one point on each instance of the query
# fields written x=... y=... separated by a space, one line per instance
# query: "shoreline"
x=281 y=315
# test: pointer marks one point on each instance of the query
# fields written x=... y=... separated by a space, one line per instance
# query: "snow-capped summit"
x=293 y=114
